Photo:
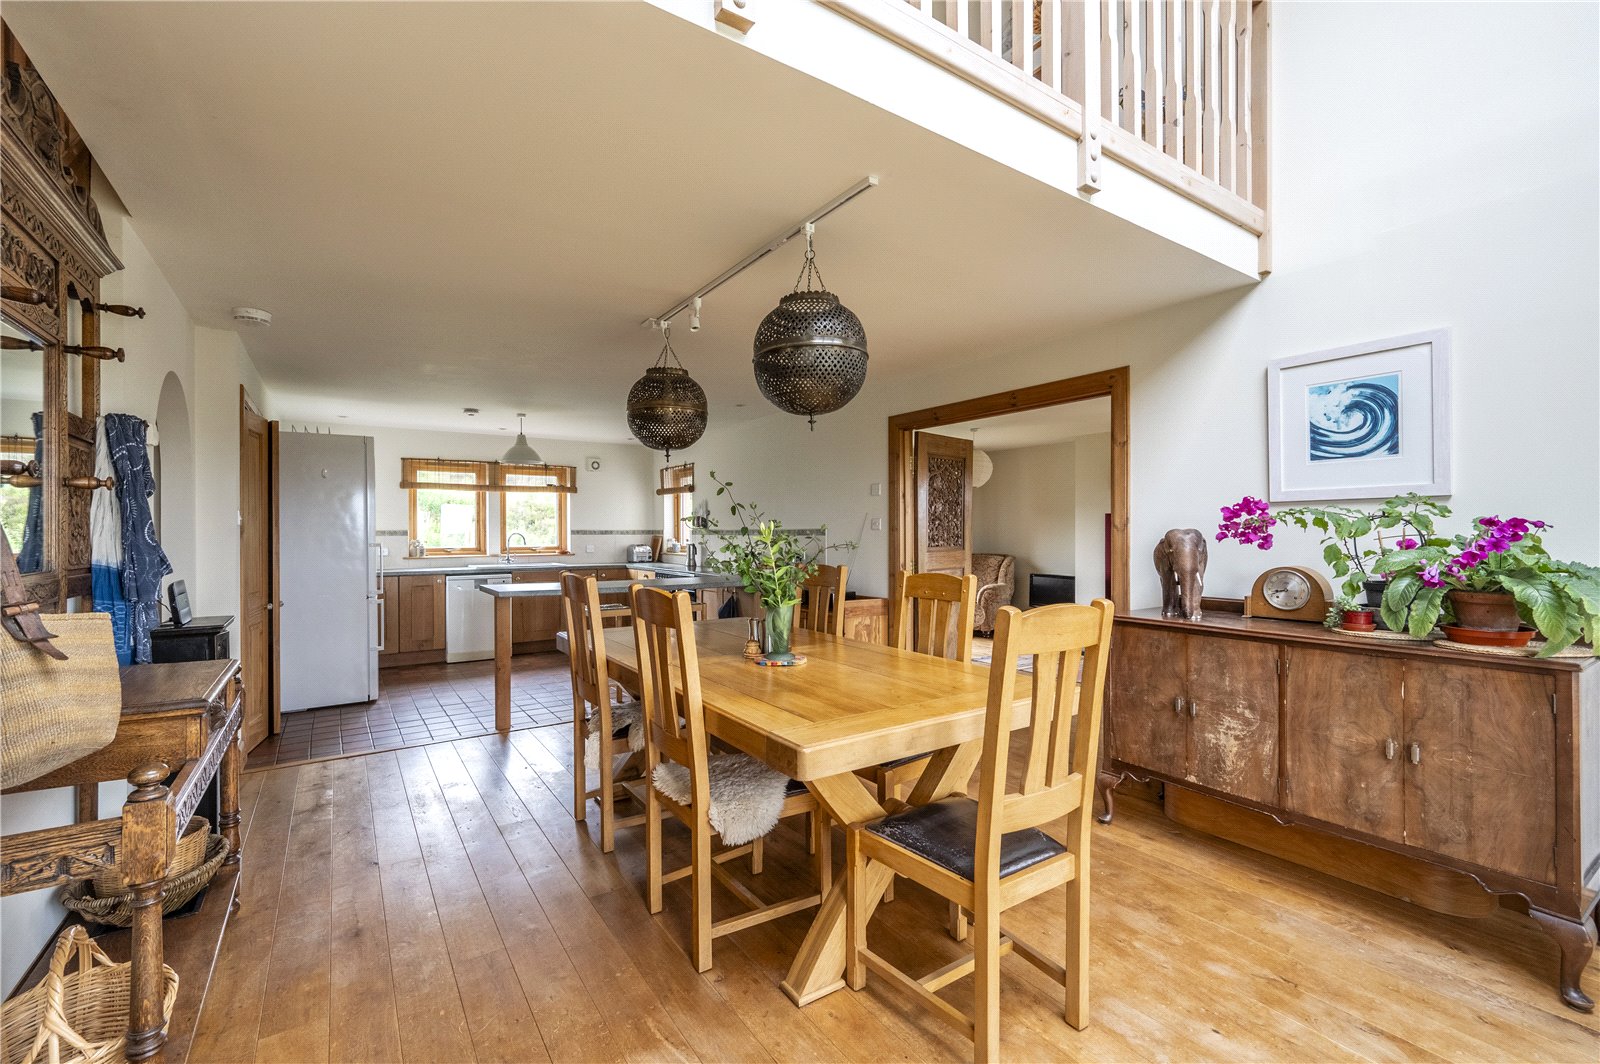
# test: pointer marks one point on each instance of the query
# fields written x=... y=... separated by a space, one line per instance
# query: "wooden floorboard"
x=441 y=904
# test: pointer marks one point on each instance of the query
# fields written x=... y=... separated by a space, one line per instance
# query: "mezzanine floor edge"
x=440 y=904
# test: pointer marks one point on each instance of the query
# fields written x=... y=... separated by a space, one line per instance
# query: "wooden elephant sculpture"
x=1180 y=558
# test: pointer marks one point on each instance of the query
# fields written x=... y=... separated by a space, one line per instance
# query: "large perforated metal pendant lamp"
x=811 y=351
x=666 y=407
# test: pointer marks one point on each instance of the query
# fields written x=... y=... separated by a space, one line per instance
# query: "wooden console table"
x=1454 y=780
x=182 y=716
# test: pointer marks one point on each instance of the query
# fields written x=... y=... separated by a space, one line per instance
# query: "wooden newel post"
x=148 y=839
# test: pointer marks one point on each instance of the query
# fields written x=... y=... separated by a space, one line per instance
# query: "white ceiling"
x=453 y=205
x=1035 y=428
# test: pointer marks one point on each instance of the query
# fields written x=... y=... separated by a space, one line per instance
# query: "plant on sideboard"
x=1344 y=531
x=1495 y=577
x=771 y=561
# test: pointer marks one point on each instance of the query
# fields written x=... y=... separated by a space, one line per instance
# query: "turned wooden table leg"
x=1577 y=941
x=148 y=838
x=228 y=796
x=502 y=664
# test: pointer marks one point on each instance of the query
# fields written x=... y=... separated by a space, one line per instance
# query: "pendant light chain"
x=809 y=270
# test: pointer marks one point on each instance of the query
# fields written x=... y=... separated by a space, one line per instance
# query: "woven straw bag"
x=81 y=1018
x=63 y=693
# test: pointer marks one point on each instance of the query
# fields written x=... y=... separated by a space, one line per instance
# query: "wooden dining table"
x=851 y=705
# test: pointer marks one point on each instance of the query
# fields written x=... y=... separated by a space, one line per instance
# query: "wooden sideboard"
x=1459 y=781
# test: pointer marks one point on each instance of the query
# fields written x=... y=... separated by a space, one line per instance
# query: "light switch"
x=589 y=549
x=876 y=489
x=877 y=524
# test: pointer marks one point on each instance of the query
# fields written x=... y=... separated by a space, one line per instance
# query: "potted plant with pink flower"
x=1346 y=548
x=1495 y=578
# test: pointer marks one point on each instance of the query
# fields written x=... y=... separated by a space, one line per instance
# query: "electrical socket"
x=877 y=524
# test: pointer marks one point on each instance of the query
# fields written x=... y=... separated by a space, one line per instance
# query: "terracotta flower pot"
x=1492 y=611
x=1358 y=621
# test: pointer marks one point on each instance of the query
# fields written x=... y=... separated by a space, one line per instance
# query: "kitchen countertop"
x=492 y=567
x=681 y=581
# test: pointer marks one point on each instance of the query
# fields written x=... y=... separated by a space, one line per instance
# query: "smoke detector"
x=254 y=317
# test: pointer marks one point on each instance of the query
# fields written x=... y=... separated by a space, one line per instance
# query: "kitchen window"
x=677 y=498
x=533 y=508
x=447 y=510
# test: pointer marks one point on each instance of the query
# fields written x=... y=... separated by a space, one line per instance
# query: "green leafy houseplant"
x=1343 y=529
x=771 y=561
x=1559 y=598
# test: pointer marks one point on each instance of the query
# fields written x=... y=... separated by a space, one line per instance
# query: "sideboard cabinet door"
x=1147 y=727
x=1343 y=750
x=1480 y=767
x=1232 y=693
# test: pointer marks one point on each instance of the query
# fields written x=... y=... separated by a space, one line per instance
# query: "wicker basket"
x=191 y=851
x=80 y=1018
x=199 y=856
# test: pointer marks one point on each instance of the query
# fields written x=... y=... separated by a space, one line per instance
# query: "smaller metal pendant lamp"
x=811 y=351
x=666 y=407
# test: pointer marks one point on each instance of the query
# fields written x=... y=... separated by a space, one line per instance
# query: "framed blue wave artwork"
x=1361 y=422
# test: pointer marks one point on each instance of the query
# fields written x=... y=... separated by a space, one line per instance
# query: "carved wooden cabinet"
x=1468 y=771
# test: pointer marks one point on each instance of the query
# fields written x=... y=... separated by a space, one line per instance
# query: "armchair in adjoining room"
x=996 y=585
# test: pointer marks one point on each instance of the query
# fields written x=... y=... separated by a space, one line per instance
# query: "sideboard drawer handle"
x=1389 y=749
x=1177 y=705
x=1194 y=707
x=1415 y=753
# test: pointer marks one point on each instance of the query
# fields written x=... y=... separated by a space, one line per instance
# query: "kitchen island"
x=670 y=578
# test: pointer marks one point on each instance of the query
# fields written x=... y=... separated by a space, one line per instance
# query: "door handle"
x=1390 y=748
x=1414 y=752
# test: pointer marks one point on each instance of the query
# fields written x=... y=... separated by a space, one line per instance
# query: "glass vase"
x=776 y=631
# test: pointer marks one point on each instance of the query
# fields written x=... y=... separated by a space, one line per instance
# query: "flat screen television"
x=1047 y=589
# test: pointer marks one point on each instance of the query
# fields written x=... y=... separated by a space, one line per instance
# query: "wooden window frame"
x=678 y=488
x=563 y=529
x=481 y=548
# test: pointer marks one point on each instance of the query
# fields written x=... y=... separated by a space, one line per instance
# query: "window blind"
x=549 y=478
x=677 y=480
x=445 y=474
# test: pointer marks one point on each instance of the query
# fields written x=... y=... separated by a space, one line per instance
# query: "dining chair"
x=730 y=795
x=593 y=712
x=931 y=613
x=988 y=855
x=825 y=599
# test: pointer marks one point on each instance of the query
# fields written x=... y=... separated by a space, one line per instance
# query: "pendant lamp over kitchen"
x=811 y=351
x=666 y=407
x=520 y=453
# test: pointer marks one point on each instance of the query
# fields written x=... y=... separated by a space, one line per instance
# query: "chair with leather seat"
x=678 y=758
x=989 y=854
x=593 y=712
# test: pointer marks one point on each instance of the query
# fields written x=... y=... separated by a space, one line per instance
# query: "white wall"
x=199 y=527
x=1026 y=510
x=1398 y=206
x=619 y=500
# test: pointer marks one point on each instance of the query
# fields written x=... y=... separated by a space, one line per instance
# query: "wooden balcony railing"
x=1174 y=89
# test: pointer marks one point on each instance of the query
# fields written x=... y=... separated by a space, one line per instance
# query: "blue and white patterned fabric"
x=144 y=563
x=105 y=544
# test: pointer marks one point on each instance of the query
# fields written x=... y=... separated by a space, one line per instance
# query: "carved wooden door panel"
x=255 y=573
x=1480 y=767
x=1143 y=691
x=1233 y=716
x=1342 y=732
x=944 y=504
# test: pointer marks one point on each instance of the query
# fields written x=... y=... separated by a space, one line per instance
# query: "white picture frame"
x=1367 y=421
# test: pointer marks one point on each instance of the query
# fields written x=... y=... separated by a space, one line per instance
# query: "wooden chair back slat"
x=825 y=599
x=933 y=614
x=1068 y=645
x=663 y=628
x=586 y=641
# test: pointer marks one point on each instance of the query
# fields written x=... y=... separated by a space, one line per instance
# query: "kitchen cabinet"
x=1445 y=778
x=534 y=618
x=390 y=618
x=421 y=614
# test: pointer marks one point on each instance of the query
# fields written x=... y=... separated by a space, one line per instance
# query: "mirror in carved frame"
x=22 y=451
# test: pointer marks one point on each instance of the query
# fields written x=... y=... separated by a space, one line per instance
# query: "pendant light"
x=666 y=407
x=520 y=453
x=811 y=351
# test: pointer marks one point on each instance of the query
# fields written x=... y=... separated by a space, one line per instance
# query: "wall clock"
x=1290 y=593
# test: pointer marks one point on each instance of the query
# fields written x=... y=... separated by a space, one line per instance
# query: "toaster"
x=640 y=552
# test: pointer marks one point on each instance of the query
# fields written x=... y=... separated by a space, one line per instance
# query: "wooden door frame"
x=247 y=408
x=1112 y=384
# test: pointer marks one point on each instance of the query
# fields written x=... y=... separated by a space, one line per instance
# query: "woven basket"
x=190 y=853
x=81 y=1018
x=116 y=909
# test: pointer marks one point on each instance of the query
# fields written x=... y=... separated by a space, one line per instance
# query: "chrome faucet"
x=505 y=555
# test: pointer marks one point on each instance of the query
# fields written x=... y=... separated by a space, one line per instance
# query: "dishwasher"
x=469 y=617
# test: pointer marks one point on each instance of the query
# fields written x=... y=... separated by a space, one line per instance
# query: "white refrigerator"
x=330 y=571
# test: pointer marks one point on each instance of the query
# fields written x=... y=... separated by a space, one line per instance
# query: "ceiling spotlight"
x=694 y=316
x=254 y=317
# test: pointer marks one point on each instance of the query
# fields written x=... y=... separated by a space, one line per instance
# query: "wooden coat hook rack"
x=89 y=483
x=108 y=354
x=120 y=308
x=19 y=343
x=18 y=293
